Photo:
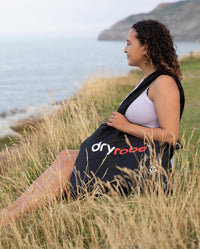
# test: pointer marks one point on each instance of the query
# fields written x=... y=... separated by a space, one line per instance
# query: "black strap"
x=182 y=96
x=135 y=93
x=145 y=83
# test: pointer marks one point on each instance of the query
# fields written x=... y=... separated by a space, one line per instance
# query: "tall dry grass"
x=108 y=221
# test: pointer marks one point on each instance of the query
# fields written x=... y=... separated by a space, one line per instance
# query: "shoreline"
x=11 y=119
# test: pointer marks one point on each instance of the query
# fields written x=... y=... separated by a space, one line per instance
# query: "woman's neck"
x=148 y=69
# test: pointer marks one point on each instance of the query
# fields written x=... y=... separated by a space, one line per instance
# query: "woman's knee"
x=70 y=155
x=62 y=155
x=65 y=162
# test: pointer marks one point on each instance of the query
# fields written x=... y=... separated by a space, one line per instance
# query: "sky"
x=78 y=18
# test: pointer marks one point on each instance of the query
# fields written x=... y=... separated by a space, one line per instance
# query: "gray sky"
x=78 y=18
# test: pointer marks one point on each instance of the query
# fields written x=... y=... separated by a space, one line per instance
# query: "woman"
x=149 y=47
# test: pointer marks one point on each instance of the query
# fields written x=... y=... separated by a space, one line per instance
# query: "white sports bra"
x=142 y=111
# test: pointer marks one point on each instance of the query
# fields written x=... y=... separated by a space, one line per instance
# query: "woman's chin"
x=130 y=64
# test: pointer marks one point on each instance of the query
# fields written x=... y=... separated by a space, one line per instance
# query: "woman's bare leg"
x=47 y=187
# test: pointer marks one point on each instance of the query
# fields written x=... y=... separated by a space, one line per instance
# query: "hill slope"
x=182 y=18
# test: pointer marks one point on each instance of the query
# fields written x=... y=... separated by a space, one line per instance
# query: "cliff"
x=182 y=18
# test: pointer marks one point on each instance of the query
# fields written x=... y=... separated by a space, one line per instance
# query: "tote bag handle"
x=137 y=91
x=145 y=83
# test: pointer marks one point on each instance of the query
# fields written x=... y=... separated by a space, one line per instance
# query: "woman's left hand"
x=118 y=121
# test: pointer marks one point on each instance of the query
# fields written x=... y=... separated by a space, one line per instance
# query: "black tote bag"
x=108 y=154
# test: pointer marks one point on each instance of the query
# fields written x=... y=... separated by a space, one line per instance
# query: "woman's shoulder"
x=165 y=82
x=165 y=79
x=164 y=85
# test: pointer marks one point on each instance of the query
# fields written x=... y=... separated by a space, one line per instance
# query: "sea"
x=36 y=72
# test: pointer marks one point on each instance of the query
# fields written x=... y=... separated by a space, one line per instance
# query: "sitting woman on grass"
x=154 y=115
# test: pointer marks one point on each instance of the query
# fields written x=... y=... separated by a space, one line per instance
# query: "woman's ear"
x=145 y=50
x=147 y=56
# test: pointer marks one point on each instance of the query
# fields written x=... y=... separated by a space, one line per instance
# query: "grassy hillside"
x=135 y=221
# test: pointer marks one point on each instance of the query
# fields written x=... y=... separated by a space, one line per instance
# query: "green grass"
x=191 y=83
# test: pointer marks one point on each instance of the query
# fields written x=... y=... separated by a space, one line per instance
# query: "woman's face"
x=134 y=50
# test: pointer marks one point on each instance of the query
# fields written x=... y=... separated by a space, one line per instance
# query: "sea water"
x=37 y=71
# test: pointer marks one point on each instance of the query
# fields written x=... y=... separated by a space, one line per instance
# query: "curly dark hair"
x=160 y=46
